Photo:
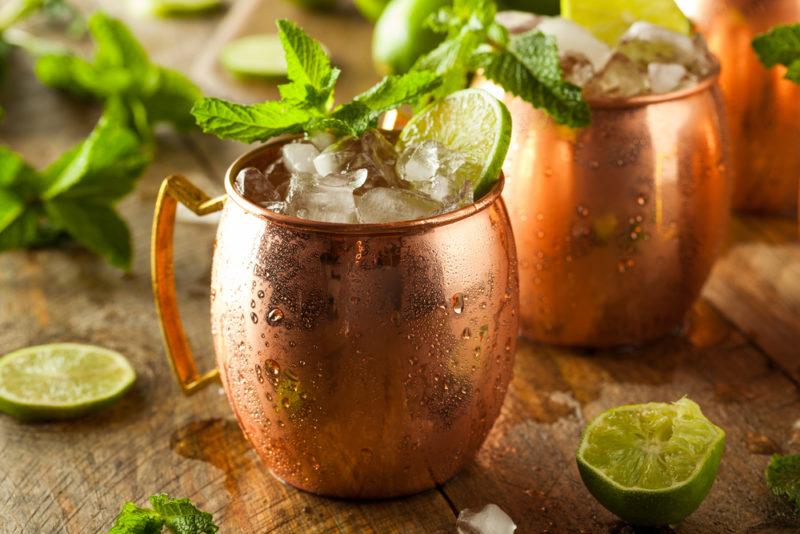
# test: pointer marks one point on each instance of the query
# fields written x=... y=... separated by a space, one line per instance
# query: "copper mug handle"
x=174 y=189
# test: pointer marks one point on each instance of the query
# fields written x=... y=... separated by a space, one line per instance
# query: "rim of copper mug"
x=643 y=100
x=442 y=219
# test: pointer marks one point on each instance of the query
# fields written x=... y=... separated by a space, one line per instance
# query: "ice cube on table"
x=649 y=43
x=314 y=198
x=384 y=204
x=255 y=187
x=299 y=157
x=621 y=78
x=665 y=77
x=572 y=38
x=491 y=519
x=516 y=21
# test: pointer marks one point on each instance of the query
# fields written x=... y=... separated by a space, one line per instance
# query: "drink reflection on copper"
x=617 y=224
x=363 y=361
x=762 y=107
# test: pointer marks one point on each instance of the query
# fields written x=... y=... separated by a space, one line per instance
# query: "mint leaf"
x=135 y=520
x=181 y=516
x=22 y=232
x=783 y=478
x=530 y=69
x=306 y=102
x=120 y=73
x=11 y=207
x=780 y=46
x=248 y=123
x=95 y=225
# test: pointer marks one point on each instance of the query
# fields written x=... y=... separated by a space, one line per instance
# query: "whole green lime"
x=315 y=4
x=542 y=7
x=371 y=9
x=401 y=35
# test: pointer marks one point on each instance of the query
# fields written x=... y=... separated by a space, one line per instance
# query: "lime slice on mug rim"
x=651 y=464
x=62 y=380
x=472 y=122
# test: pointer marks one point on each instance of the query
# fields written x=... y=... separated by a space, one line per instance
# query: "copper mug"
x=762 y=107
x=361 y=361
x=617 y=224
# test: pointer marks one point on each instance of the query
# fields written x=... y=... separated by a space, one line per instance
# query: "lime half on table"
x=62 y=380
x=179 y=8
x=260 y=55
x=472 y=122
x=651 y=464
x=609 y=19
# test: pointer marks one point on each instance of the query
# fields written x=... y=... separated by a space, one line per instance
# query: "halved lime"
x=167 y=8
x=259 y=55
x=472 y=122
x=608 y=20
x=651 y=464
x=62 y=380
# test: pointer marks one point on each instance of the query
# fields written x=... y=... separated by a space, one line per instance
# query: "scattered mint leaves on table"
x=780 y=46
x=136 y=91
x=526 y=65
x=783 y=478
x=306 y=103
x=74 y=196
x=179 y=516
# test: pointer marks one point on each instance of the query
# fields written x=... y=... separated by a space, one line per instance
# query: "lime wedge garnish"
x=609 y=19
x=167 y=8
x=62 y=380
x=259 y=55
x=472 y=122
x=651 y=464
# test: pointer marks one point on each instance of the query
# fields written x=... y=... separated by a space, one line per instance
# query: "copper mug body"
x=361 y=361
x=617 y=224
x=761 y=105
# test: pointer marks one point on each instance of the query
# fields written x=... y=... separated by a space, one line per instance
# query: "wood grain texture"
x=737 y=357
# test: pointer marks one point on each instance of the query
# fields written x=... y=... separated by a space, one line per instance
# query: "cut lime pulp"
x=167 y=8
x=259 y=55
x=651 y=464
x=472 y=122
x=609 y=19
x=62 y=380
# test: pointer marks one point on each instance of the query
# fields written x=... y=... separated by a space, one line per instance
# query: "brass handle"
x=174 y=189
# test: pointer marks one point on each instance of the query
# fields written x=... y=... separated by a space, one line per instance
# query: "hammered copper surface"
x=617 y=224
x=364 y=361
x=762 y=107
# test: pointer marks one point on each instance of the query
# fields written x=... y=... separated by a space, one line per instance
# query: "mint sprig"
x=74 y=196
x=783 y=478
x=526 y=65
x=306 y=103
x=780 y=46
x=136 y=91
x=179 y=516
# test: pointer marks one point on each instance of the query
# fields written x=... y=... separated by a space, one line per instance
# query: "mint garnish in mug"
x=781 y=46
x=340 y=168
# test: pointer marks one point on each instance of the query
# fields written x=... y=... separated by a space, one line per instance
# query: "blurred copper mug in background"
x=361 y=361
x=762 y=107
x=617 y=224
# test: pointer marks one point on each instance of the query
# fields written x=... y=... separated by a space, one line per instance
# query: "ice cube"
x=255 y=187
x=650 y=43
x=621 y=78
x=351 y=180
x=299 y=157
x=384 y=204
x=516 y=21
x=665 y=77
x=572 y=38
x=577 y=69
x=322 y=140
x=431 y=168
x=372 y=151
x=491 y=519
x=310 y=197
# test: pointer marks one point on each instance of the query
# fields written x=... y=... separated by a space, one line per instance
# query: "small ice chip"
x=516 y=21
x=385 y=204
x=490 y=520
x=665 y=77
x=299 y=157
x=650 y=43
x=572 y=38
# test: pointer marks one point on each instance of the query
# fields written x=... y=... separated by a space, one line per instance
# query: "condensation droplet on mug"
x=641 y=200
x=458 y=302
x=467 y=333
x=259 y=374
x=582 y=210
x=275 y=316
x=254 y=317
x=272 y=367
x=285 y=402
x=260 y=293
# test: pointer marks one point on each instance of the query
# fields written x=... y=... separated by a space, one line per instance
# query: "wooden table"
x=738 y=356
